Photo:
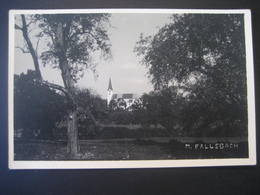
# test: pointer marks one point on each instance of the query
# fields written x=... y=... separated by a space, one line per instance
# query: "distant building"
x=125 y=100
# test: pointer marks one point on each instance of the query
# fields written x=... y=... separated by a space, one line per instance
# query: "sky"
x=125 y=70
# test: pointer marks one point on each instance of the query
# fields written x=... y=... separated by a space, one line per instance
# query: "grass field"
x=135 y=149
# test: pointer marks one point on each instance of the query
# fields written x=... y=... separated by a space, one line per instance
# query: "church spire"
x=110 y=85
x=109 y=92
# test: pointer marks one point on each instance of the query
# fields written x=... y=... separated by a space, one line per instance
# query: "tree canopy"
x=204 y=56
x=194 y=45
x=79 y=36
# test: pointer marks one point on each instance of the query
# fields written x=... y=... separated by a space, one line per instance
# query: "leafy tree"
x=121 y=116
x=91 y=111
x=113 y=105
x=151 y=109
x=71 y=41
x=163 y=107
x=171 y=105
x=204 y=56
x=139 y=115
x=121 y=103
x=37 y=108
x=89 y=102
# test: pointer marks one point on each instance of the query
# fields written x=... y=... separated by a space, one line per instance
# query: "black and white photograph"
x=130 y=88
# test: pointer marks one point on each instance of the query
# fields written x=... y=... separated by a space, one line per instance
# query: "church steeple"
x=109 y=92
x=110 y=85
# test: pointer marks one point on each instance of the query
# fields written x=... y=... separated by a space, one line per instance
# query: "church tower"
x=109 y=92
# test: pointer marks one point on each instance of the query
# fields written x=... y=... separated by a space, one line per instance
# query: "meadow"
x=158 y=148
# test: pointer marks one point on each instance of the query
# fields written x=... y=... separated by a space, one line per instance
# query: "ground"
x=135 y=149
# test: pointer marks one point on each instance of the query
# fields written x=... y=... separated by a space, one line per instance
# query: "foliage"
x=89 y=103
x=203 y=55
x=121 y=116
x=117 y=104
x=37 y=108
x=162 y=107
x=113 y=104
x=83 y=35
x=91 y=111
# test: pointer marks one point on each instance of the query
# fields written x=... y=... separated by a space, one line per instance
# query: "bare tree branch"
x=29 y=31
x=30 y=47
x=17 y=27
x=37 y=44
x=22 y=49
x=55 y=86
x=82 y=33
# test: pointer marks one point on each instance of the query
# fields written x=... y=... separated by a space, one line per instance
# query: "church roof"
x=110 y=85
x=124 y=96
x=127 y=95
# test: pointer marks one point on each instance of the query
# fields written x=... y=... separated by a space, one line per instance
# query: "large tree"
x=204 y=56
x=71 y=41
x=92 y=110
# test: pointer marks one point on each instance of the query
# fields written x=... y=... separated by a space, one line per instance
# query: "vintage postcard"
x=130 y=88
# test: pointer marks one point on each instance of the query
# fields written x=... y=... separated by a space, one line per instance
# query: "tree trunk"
x=72 y=126
x=72 y=144
x=69 y=84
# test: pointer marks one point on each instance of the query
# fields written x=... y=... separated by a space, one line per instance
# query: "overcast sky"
x=125 y=70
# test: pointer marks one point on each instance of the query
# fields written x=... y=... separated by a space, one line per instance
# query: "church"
x=125 y=100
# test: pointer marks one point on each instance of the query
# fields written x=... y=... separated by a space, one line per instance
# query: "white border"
x=141 y=163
